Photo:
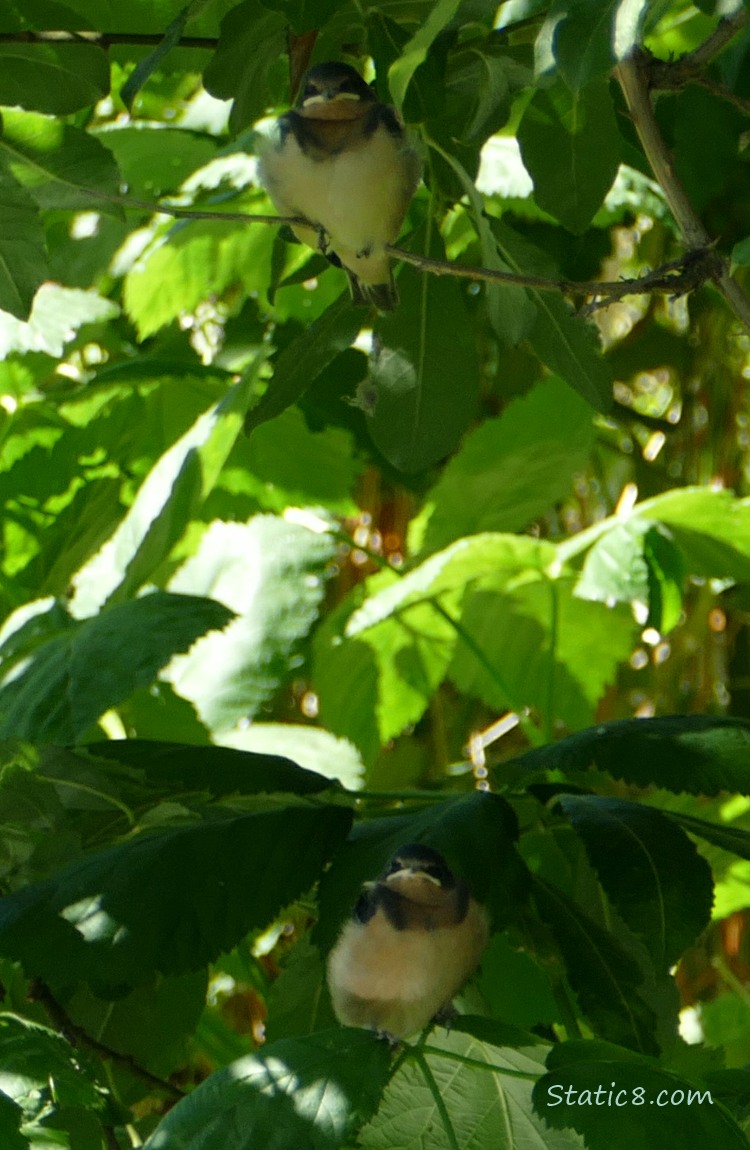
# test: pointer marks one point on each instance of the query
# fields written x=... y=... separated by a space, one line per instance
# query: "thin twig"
x=77 y=1036
x=633 y=78
x=673 y=278
x=104 y=39
x=672 y=74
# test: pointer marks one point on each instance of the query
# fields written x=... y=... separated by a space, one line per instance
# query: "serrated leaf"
x=651 y=872
x=62 y=687
x=219 y=771
x=466 y=1090
x=513 y=468
x=699 y=754
x=170 y=900
x=313 y=1091
x=312 y=747
x=60 y=165
x=38 y=1061
x=540 y=647
x=56 y=78
x=671 y=1111
x=274 y=608
x=604 y=976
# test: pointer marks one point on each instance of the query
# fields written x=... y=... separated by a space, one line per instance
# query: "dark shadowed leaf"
x=650 y=871
x=570 y=146
x=633 y=1094
x=170 y=900
x=423 y=378
x=700 y=754
x=53 y=78
x=604 y=976
x=23 y=254
x=312 y=1092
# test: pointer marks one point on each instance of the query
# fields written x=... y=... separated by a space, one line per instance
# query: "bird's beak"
x=414 y=872
x=332 y=106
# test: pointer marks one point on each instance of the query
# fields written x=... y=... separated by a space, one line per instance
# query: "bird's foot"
x=446 y=1016
x=386 y=1036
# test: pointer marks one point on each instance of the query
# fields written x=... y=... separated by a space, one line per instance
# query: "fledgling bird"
x=341 y=160
x=415 y=936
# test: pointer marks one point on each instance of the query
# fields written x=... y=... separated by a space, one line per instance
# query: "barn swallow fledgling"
x=414 y=938
x=342 y=161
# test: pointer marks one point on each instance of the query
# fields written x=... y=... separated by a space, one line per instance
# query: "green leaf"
x=312 y=747
x=171 y=494
x=251 y=40
x=711 y=528
x=424 y=378
x=635 y=1099
x=56 y=78
x=155 y=159
x=61 y=165
x=148 y=66
x=59 y=691
x=11 y=1117
x=391 y=672
x=414 y=52
x=218 y=771
x=41 y=1070
x=651 y=872
x=23 y=253
x=564 y=342
x=465 y=1091
x=57 y=316
x=585 y=38
x=300 y=364
x=604 y=976
x=153 y=1024
x=729 y=838
x=170 y=900
x=511 y=312
x=311 y=1092
x=541 y=647
x=512 y=469
x=197 y=259
x=570 y=146
x=699 y=754
x=271 y=574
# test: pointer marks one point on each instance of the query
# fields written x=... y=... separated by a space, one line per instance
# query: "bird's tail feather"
x=382 y=296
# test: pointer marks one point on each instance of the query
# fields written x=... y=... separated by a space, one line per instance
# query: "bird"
x=414 y=938
x=342 y=161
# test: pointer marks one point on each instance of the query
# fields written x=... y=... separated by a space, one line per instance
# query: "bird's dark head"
x=334 y=91
x=418 y=861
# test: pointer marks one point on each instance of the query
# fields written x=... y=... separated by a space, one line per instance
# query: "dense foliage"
x=286 y=584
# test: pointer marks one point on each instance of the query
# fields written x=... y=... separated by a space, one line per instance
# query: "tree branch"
x=673 y=74
x=77 y=1036
x=673 y=278
x=633 y=76
x=104 y=39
